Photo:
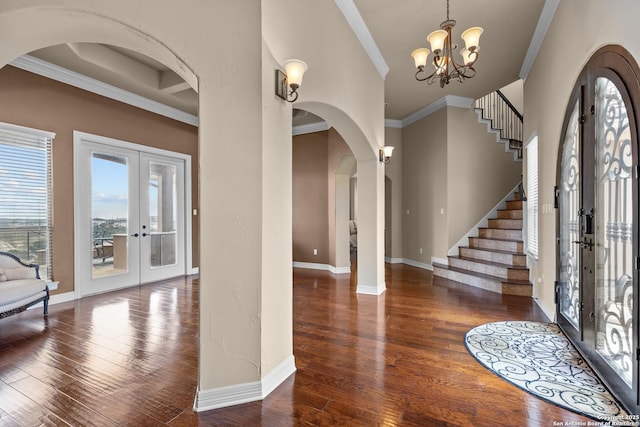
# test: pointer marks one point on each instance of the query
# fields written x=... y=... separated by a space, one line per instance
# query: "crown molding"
x=544 y=22
x=309 y=128
x=391 y=123
x=357 y=24
x=63 y=75
x=445 y=101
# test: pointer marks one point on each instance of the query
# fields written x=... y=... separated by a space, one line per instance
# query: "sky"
x=110 y=189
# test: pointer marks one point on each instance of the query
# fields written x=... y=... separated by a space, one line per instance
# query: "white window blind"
x=26 y=195
x=532 y=197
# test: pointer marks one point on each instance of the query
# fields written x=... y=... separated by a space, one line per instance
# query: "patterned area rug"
x=538 y=358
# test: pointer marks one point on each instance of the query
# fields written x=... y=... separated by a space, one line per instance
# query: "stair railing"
x=504 y=117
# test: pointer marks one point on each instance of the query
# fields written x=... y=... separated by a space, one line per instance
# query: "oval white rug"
x=539 y=359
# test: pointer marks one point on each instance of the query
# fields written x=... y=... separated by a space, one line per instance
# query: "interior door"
x=598 y=231
x=130 y=216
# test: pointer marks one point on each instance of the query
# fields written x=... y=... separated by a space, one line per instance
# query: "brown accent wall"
x=315 y=159
x=310 y=187
x=27 y=99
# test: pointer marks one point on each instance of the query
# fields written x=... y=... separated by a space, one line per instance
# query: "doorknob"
x=135 y=235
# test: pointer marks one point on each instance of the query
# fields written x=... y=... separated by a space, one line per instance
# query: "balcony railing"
x=28 y=243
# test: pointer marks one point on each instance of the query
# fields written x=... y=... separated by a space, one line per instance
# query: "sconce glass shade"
x=420 y=56
x=295 y=69
x=471 y=37
x=385 y=153
x=436 y=39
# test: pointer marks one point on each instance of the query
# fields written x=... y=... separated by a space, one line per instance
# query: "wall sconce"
x=290 y=79
x=385 y=154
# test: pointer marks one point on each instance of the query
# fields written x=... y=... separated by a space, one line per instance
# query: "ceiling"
x=396 y=28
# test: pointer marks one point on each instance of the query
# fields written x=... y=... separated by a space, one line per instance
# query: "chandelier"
x=446 y=67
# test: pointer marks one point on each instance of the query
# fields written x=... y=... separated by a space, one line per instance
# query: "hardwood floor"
x=130 y=358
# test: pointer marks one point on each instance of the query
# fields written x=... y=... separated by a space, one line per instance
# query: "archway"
x=370 y=196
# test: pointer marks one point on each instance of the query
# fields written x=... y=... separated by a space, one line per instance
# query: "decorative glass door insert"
x=614 y=225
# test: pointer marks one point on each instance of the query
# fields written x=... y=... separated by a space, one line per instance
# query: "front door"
x=598 y=228
x=130 y=216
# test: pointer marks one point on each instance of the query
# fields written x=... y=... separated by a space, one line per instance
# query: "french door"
x=130 y=216
x=598 y=224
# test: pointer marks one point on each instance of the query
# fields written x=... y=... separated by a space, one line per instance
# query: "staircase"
x=502 y=119
x=494 y=260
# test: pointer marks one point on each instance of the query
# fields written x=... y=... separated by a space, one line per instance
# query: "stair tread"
x=484 y=276
x=493 y=250
x=491 y=263
x=500 y=240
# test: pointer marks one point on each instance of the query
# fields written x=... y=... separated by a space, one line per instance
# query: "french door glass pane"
x=109 y=214
x=163 y=214
x=614 y=224
x=569 y=223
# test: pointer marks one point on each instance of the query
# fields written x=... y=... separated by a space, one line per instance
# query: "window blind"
x=26 y=195
x=532 y=198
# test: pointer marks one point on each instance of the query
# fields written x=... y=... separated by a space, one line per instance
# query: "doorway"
x=597 y=193
x=129 y=214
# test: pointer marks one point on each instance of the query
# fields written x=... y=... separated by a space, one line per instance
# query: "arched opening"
x=370 y=196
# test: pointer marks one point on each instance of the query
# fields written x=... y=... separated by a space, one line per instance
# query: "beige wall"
x=454 y=173
x=310 y=198
x=580 y=27
x=316 y=157
x=479 y=172
x=424 y=188
x=37 y=102
x=393 y=198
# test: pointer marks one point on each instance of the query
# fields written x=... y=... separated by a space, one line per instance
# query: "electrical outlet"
x=315 y=252
x=420 y=250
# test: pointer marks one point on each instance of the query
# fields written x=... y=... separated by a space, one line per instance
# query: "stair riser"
x=510 y=214
x=478 y=282
x=497 y=233
x=496 y=244
x=491 y=270
x=514 y=204
x=485 y=255
x=506 y=223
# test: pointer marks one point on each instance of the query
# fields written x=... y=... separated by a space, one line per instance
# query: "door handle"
x=585 y=244
x=135 y=235
x=144 y=234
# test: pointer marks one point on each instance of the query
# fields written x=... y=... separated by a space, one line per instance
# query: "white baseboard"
x=324 y=267
x=371 y=290
x=436 y=260
x=278 y=375
x=238 y=394
x=222 y=397
x=193 y=270
x=60 y=298
x=551 y=314
x=393 y=260
x=417 y=264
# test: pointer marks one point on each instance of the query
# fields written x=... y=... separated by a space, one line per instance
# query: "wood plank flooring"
x=130 y=358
